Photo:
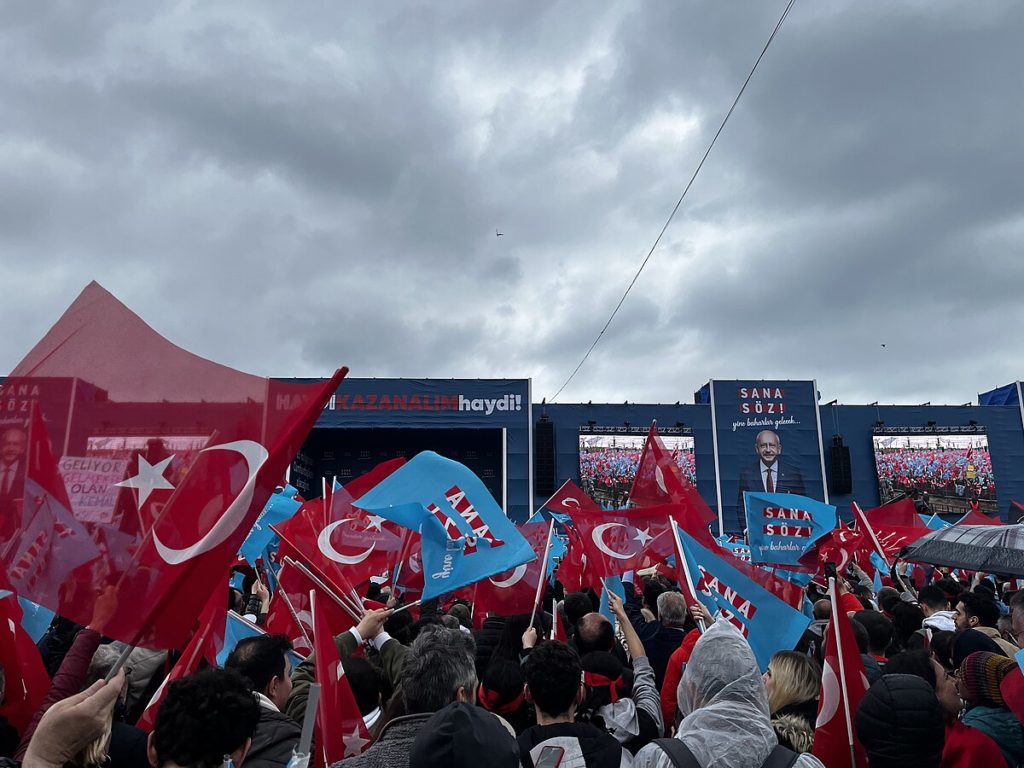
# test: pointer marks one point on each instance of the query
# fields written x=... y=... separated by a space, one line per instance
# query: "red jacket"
x=673 y=674
x=967 y=747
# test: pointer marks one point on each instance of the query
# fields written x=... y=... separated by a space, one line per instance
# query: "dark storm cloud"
x=290 y=189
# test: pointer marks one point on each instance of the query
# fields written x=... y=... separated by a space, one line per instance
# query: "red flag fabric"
x=569 y=498
x=513 y=591
x=340 y=729
x=891 y=537
x=344 y=543
x=840 y=546
x=364 y=483
x=902 y=514
x=166 y=459
x=571 y=570
x=659 y=480
x=976 y=517
x=557 y=626
x=27 y=681
x=204 y=644
x=627 y=539
x=843 y=685
x=292 y=594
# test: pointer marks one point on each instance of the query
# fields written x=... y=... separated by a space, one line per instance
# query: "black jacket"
x=597 y=748
x=486 y=639
x=128 y=746
x=275 y=738
x=659 y=641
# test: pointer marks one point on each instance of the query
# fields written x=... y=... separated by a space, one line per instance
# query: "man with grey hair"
x=662 y=637
x=438 y=669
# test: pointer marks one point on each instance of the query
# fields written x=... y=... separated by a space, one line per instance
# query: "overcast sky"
x=287 y=188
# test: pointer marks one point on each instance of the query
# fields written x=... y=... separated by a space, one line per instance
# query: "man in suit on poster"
x=768 y=474
x=13 y=443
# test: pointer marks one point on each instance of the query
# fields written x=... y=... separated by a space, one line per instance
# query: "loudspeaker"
x=841 y=481
x=544 y=457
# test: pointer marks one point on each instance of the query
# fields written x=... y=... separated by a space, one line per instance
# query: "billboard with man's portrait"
x=768 y=439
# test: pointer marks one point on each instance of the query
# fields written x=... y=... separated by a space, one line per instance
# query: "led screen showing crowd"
x=953 y=470
x=608 y=463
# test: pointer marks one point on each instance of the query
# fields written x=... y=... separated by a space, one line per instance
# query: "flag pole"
x=685 y=567
x=327 y=590
x=295 y=617
x=407 y=605
x=862 y=518
x=833 y=597
x=543 y=573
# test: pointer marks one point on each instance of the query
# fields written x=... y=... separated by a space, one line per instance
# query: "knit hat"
x=461 y=612
x=980 y=676
x=461 y=735
x=900 y=723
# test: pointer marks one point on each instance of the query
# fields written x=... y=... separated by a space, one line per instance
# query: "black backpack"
x=682 y=757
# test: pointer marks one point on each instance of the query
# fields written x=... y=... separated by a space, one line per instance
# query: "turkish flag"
x=166 y=459
x=290 y=612
x=892 y=537
x=513 y=591
x=659 y=480
x=205 y=643
x=901 y=514
x=626 y=539
x=569 y=498
x=836 y=710
x=976 y=517
x=344 y=543
x=840 y=546
x=341 y=731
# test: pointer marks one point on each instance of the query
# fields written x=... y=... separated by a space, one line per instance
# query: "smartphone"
x=550 y=757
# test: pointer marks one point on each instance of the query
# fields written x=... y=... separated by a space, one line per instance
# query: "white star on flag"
x=150 y=478
x=374 y=522
x=354 y=743
x=643 y=536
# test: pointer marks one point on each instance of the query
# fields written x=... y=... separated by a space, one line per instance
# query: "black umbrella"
x=989 y=548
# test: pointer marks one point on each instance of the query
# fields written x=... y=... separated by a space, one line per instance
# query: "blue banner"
x=465 y=535
x=767 y=440
x=281 y=506
x=236 y=629
x=781 y=527
x=768 y=623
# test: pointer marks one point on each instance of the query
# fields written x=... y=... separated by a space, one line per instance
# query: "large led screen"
x=608 y=463
x=952 y=469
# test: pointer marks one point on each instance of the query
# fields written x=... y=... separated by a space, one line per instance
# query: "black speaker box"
x=543 y=457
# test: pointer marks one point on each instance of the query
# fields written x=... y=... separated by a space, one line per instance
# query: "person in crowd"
x=967 y=641
x=906 y=622
x=72 y=725
x=937 y=613
x=978 y=683
x=724 y=706
x=979 y=612
x=964 y=746
x=203 y=719
x=364 y=680
x=460 y=735
x=263 y=661
x=900 y=723
x=793 y=681
x=1017 y=617
x=370 y=631
x=872 y=668
x=438 y=668
x=554 y=688
x=577 y=605
x=879 y=633
x=623 y=702
x=662 y=637
x=461 y=612
x=486 y=639
x=501 y=692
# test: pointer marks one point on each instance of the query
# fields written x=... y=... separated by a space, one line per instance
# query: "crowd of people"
x=965 y=473
x=607 y=472
x=664 y=684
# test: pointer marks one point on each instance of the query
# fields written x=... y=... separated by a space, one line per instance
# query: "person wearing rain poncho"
x=724 y=705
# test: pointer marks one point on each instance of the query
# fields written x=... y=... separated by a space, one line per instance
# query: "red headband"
x=490 y=698
x=595 y=680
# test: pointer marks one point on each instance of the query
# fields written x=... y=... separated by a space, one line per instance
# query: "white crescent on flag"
x=255 y=456
x=323 y=541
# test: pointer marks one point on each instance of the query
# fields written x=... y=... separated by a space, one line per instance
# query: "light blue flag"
x=281 y=506
x=802 y=578
x=614 y=583
x=768 y=623
x=783 y=526
x=935 y=522
x=236 y=629
x=877 y=583
x=35 y=619
x=466 y=536
x=878 y=562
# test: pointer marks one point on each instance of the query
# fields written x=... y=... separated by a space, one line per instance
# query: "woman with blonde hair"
x=793 y=681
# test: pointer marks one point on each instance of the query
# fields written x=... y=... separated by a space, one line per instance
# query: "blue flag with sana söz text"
x=781 y=527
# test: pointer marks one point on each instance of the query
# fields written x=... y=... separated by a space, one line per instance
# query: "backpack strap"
x=678 y=753
x=781 y=758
